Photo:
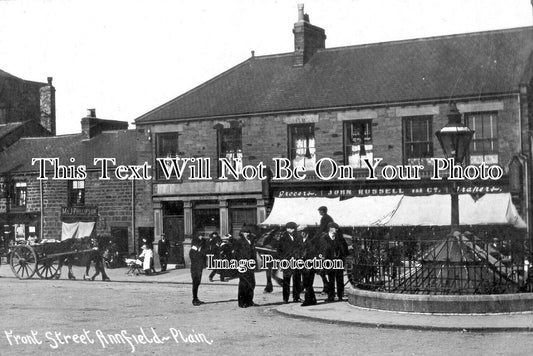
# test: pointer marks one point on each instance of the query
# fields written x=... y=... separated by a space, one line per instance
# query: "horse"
x=92 y=248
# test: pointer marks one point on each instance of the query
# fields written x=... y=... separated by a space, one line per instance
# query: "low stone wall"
x=460 y=304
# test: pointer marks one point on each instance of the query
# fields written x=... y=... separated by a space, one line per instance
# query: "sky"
x=127 y=57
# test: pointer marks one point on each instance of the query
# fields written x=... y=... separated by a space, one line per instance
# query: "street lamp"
x=454 y=139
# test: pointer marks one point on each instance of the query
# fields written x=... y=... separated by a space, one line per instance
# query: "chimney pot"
x=301 y=12
x=91 y=112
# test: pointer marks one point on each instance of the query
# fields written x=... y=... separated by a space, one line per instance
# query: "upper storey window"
x=358 y=142
x=417 y=139
x=302 y=149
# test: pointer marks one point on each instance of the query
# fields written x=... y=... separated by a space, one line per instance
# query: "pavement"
x=337 y=312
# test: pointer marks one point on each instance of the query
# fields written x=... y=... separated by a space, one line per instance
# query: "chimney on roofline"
x=47 y=98
x=307 y=38
x=92 y=126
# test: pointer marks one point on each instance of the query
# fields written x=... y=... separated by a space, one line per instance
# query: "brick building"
x=32 y=206
x=27 y=109
x=382 y=100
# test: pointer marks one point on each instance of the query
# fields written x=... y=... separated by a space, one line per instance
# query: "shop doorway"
x=173 y=228
x=120 y=239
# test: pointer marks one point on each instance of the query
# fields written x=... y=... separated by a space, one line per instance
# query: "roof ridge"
x=194 y=89
x=431 y=38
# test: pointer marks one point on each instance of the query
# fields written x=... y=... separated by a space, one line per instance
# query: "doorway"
x=173 y=227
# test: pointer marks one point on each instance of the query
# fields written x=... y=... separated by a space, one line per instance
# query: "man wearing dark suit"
x=334 y=247
x=324 y=220
x=245 y=250
x=197 y=254
x=308 y=251
x=163 y=249
x=322 y=229
x=287 y=248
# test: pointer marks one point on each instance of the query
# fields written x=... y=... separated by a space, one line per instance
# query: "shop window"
x=230 y=147
x=166 y=147
x=20 y=195
x=358 y=143
x=418 y=140
x=484 y=144
x=76 y=192
x=206 y=217
x=302 y=150
x=241 y=212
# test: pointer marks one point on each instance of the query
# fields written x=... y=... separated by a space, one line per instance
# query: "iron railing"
x=455 y=264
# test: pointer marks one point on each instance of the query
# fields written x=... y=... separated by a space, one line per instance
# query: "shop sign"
x=363 y=192
x=79 y=212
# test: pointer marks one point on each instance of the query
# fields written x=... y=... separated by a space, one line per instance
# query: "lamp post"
x=454 y=139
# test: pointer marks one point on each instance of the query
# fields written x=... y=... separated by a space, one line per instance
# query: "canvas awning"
x=398 y=210
x=76 y=230
x=303 y=211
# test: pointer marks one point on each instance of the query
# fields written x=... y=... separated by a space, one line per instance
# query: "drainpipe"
x=133 y=215
x=42 y=208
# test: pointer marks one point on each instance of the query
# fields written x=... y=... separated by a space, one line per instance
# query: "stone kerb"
x=456 y=304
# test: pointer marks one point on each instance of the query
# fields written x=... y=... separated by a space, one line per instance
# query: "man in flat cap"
x=323 y=229
x=287 y=248
x=335 y=248
x=324 y=220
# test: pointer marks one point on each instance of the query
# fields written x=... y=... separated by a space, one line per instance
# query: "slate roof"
x=118 y=144
x=6 y=129
x=473 y=64
x=4 y=74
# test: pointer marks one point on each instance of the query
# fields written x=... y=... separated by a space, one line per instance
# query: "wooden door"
x=174 y=231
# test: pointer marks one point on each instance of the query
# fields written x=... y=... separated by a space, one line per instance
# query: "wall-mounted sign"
x=85 y=212
x=363 y=192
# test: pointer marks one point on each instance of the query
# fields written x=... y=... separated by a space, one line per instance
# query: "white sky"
x=126 y=57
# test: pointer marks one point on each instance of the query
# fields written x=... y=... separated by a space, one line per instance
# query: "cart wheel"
x=49 y=268
x=23 y=261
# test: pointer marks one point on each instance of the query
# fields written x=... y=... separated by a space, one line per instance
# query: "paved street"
x=92 y=313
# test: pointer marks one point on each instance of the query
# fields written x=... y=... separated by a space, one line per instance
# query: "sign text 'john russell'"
x=324 y=169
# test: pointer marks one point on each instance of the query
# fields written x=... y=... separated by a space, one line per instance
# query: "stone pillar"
x=261 y=211
x=186 y=250
x=158 y=230
x=158 y=221
x=187 y=218
x=224 y=217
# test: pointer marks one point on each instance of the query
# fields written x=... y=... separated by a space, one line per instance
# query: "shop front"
x=184 y=210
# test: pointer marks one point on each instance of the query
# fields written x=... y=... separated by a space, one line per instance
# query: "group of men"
x=297 y=243
x=241 y=248
x=326 y=244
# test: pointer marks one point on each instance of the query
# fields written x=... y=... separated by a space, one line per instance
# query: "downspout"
x=42 y=209
x=133 y=215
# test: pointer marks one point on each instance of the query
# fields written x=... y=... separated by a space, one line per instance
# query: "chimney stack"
x=47 y=98
x=89 y=124
x=307 y=38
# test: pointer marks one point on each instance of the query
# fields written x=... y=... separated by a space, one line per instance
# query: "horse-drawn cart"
x=46 y=259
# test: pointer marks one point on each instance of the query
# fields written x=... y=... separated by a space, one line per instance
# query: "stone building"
x=29 y=205
x=380 y=100
x=27 y=109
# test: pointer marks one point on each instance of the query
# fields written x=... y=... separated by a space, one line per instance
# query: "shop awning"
x=435 y=210
x=398 y=210
x=303 y=211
